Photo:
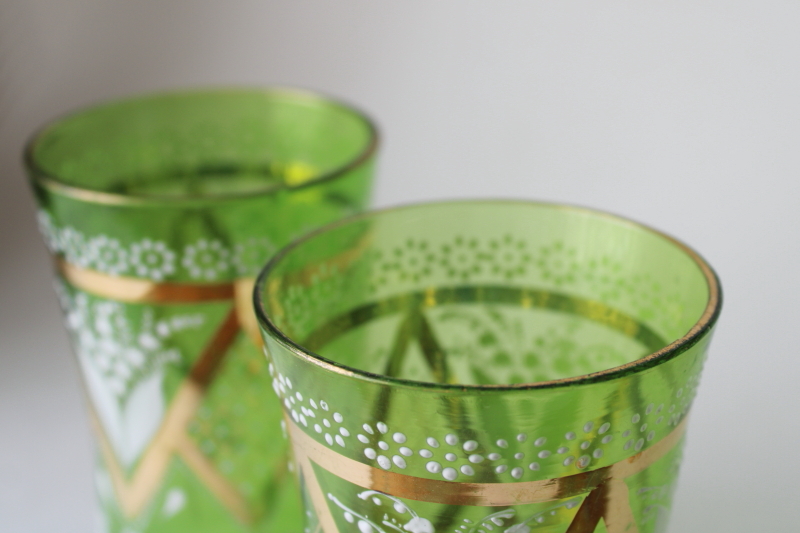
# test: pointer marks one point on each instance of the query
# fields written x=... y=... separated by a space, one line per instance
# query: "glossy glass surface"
x=160 y=211
x=484 y=366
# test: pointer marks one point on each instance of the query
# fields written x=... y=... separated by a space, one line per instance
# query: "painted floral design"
x=152 y=259
x=250 y=256
x=409 y=521
x=108 y=255
x=74 y=246
x=123 y=354
x=206 y=260
x=48 y=230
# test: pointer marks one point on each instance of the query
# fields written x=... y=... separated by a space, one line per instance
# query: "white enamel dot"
x=384 y=462
x=562 y=449
x=405 y=450
x=649 y=409
x=313 y=403
x=544 y=454
x=584 y=461
x=451 y=439
x=450 y=474
x=376 y=500
x=502 y=443
x=289 y=383
x=568 y=461
x=344 y=432
x=643 y=428
x=349 y=517
x=635 y=418
x=433 y=467
x=475 y=458
x=516 y=473
x=362 y=438
x=427 y=454
x=628 y=445
x=519 y=455
x=467 y=470
x=494 y=456
x=433 y=443
x=323 y=404
x=399 y=438
x=326 y=422
x=607 y=439
x=585 y=444
x=651 y=435
x=597 y=454
x=534 y=466
x=639 y=444
x=470 y=445
x=399 y=461
x=338 y=417
x=541 y=441
x=500 y=469
x=303 y=420
x=588 y=426
x=340 y=440
x=450 y=457
x=399 y=507
x=383 y=446
x=382 y=427
x=522 y=437
x=626 y=433
x=570 y=436
x=659 y=420
x=298 y=396
x=329 y=439
x=364 y=527
x=368 y=429
x=604 y=428
x=317 y=428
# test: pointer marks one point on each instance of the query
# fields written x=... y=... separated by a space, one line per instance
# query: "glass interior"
x=202 y=144
x=484 y=293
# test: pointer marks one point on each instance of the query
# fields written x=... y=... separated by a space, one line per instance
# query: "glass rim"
x=697 y=332
x=39 y=176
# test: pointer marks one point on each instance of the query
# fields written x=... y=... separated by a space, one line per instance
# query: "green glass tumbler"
x=159 y=211
x=486 y=366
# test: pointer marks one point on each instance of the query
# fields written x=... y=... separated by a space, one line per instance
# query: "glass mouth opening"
x=487 y=294
x=205 y=145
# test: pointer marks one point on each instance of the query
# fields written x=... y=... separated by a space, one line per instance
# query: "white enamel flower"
x=48 y=230
x=152 y=259
x=73 y=243
x=251 y=255
x=419 y=525
x=107 y=255
x=206 y=260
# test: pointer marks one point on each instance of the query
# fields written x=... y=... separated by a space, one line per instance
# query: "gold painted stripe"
x=135 y=290
x=478 y=494
x=133 y=495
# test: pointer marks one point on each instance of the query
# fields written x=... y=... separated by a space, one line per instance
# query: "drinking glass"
x=486 y=366
x=159 y=211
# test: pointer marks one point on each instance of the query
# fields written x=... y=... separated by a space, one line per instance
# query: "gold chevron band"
x=608 y=492
x=135 y=493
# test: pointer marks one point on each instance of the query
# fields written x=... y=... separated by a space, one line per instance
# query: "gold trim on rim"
x=704 y=323
x=48 y=181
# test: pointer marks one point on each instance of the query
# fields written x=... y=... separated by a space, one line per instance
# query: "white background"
x=682 y=115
